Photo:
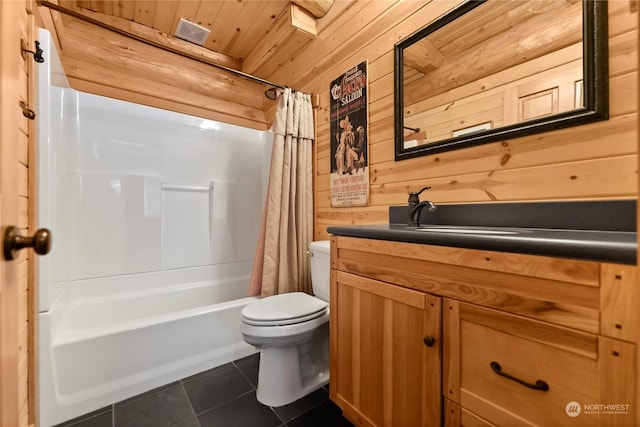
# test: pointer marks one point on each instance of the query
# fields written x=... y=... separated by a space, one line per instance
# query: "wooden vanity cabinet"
x=385 y=352
x=502 y=324
x=516 y=371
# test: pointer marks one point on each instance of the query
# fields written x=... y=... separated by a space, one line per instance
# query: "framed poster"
x=349 y=120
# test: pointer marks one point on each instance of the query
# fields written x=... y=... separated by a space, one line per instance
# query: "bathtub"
x=108 y=339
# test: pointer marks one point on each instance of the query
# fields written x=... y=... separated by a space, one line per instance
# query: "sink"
x=601 y=215
x=461 y=230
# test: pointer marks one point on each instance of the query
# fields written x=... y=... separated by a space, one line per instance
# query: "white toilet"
x=292 y=331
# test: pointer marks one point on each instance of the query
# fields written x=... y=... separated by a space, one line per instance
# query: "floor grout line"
x=246 y=373
x=193 y=411
x=244 y=376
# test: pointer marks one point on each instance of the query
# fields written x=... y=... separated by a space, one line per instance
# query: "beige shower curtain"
x=281 y=264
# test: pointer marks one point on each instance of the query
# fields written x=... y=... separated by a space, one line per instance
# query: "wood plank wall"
x=15 y=317
x=586 y=162
x=595 y=161
x=103 y=62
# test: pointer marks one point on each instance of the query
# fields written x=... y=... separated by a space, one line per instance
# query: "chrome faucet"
x=416 y=206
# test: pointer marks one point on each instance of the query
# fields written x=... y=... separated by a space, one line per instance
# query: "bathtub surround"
x=281 y=263
x=155 y=217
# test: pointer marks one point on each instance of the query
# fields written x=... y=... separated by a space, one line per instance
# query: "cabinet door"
x=385 y=352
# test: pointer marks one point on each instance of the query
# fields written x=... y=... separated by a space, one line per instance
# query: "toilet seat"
x=283 y=309
x=284 y=322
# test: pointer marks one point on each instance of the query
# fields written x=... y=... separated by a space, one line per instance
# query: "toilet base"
x=287 y=374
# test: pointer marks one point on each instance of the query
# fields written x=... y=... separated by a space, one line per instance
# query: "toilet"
x=292 y=332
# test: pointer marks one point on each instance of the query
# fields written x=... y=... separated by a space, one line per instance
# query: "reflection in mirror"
x=492 y=70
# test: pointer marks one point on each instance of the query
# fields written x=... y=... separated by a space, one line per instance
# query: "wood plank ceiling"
x=245 y=35
x=254 y=37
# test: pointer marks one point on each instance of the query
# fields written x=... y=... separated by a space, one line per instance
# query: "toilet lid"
x=284 y=309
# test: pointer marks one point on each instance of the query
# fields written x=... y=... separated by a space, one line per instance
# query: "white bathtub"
x=154 y=233
x=106 y=346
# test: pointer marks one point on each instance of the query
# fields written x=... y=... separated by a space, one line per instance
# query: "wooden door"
x=385 y=353
x=15 y=26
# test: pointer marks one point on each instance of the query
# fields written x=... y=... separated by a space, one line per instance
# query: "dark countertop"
x=616 y=246
x=607 y=246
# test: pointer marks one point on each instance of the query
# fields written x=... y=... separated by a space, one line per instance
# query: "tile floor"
x=221 y=397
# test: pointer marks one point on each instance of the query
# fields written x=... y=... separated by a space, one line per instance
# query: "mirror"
x=492 y=70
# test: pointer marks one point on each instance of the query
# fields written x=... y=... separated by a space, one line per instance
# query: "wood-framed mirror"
x=493 y=70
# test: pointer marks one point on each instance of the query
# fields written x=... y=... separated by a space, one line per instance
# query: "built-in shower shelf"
x=185 y=187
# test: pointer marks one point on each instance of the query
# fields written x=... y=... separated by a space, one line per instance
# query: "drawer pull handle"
x=429 y=341
x=539 y=385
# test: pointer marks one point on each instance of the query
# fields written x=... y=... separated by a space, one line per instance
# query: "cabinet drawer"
x=514 y=371
x=455 y=416
x=559 y=291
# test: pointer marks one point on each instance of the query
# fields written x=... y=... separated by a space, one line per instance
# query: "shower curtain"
x=281 y=263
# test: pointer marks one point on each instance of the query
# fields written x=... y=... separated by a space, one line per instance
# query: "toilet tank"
x=320 y=268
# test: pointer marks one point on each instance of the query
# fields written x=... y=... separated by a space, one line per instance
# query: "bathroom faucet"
x=416 y=206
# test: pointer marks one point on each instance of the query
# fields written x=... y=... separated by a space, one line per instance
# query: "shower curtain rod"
x=90 y=20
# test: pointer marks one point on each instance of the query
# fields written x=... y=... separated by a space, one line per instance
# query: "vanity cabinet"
x=385 y=352
x=525 y=340
x=521 y=372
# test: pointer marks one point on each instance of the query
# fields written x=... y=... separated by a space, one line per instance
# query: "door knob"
x=13 y=242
